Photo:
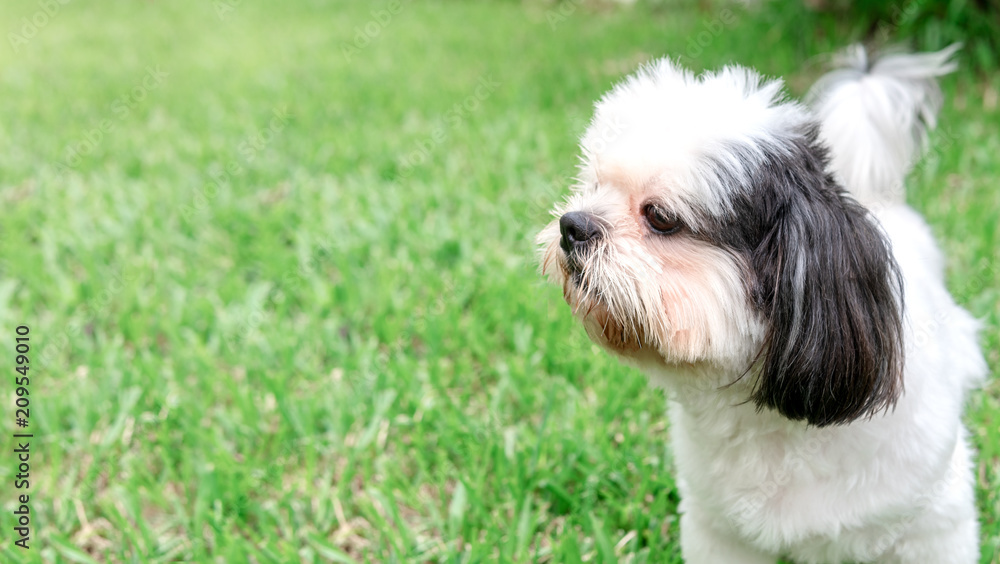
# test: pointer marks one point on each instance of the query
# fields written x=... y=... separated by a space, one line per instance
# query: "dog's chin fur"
x=798 y=318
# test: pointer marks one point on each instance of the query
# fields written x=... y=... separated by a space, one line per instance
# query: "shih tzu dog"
x=755 y=257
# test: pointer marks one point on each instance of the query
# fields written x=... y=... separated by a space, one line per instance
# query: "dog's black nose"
x=578 y=229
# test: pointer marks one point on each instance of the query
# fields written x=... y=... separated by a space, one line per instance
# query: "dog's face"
x=706 y=232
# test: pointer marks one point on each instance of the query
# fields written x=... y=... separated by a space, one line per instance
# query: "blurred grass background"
x=278 y=267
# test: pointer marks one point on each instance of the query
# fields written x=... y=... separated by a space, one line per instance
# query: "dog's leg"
x=701 y=543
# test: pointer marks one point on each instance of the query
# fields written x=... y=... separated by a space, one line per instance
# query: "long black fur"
x=833 y=348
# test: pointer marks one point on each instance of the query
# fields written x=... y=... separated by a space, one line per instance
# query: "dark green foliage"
x=924 y=24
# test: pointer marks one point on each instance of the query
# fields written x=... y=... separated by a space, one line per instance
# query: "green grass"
x=342 y=351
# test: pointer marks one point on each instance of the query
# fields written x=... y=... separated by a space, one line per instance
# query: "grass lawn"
x=277 y=265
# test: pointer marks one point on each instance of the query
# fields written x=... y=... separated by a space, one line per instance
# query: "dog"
x=754 y=256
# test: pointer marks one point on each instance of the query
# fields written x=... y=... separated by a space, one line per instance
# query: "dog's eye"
x=660 y=220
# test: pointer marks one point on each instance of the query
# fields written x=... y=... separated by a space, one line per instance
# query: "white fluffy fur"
x=897 y=94
x=895 y=488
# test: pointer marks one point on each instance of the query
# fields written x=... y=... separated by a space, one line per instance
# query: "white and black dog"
x=754 y=256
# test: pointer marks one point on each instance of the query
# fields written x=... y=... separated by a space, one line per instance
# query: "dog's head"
x=706 y=230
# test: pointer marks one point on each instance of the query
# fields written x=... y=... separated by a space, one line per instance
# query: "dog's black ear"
x=830 y=291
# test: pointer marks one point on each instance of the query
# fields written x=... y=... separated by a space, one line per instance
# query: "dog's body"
x=815 y=362
x=894 y=489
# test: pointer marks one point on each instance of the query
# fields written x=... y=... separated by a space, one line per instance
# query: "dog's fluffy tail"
x=874 y=115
